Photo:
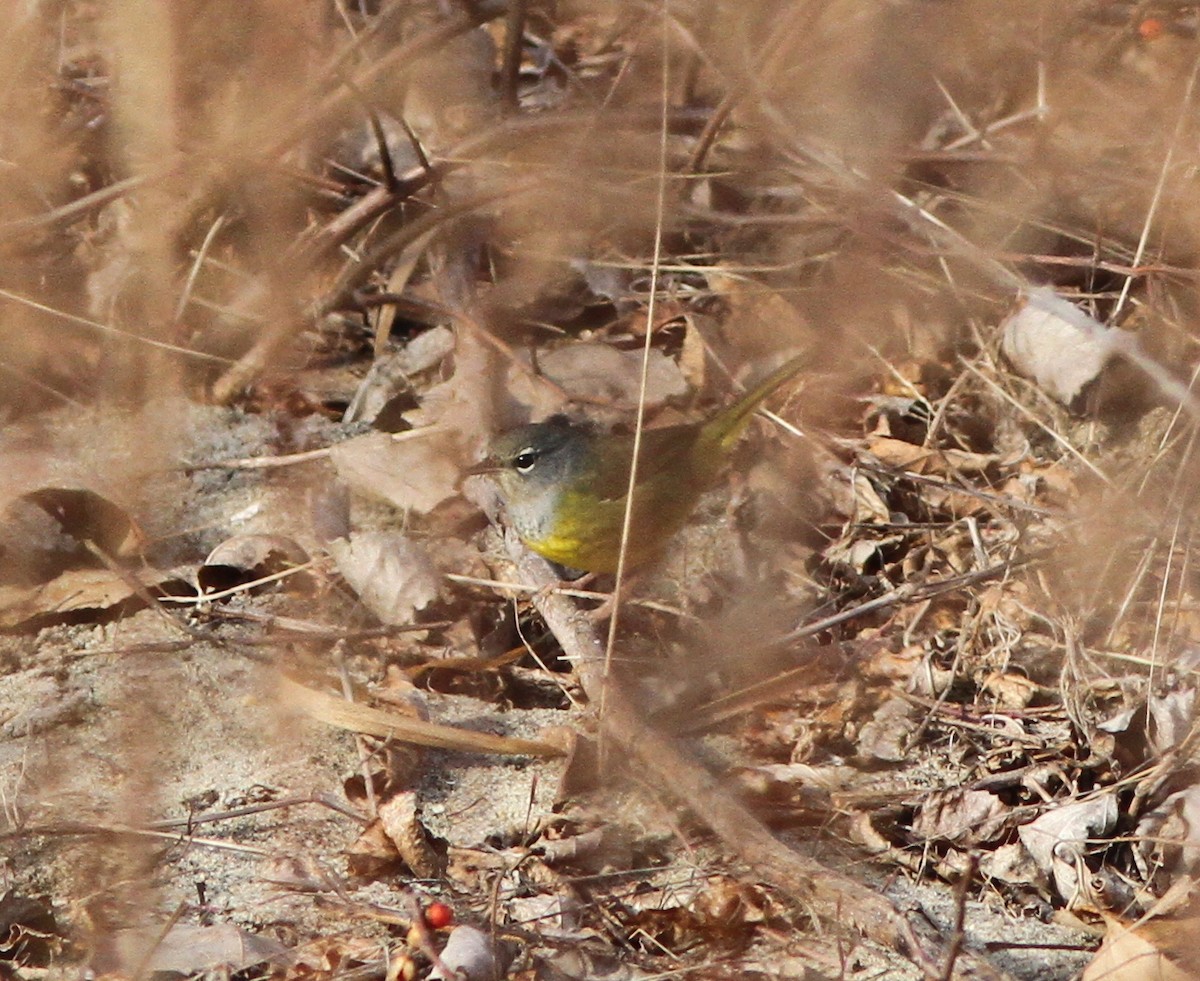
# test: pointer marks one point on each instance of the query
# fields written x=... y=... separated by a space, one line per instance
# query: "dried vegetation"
x=913 y=695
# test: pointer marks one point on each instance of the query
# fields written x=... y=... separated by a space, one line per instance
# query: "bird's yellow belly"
x=586 y=534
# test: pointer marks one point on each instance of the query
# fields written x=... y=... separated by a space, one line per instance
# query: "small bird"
x=565 y=484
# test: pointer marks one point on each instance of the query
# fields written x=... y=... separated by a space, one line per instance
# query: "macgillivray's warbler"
x=564 y=483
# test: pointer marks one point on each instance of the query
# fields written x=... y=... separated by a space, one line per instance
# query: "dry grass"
x=942 y=616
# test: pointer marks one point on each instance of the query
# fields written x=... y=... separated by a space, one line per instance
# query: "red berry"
x=1151 y=28
x=438 y=915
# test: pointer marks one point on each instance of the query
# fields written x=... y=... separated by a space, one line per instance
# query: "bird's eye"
x=523 y=462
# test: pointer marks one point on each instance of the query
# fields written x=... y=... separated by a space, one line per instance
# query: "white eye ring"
x=525 y=461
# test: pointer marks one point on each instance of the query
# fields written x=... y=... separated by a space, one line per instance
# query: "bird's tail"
x=723 y=430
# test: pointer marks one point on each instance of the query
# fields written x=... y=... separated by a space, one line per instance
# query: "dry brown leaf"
x=559 y=915
x=188 y=949
x=1058 y=355
x=30 y=936
x=925 y=460
x=1169 y=833
x=414 y=472
x=806 y=777
x=107 y=256
x=869 y=507
x=897 y=453
x=460 y=405
x=78 y=589
x=1058 y=839
x=606 y=280
x=964 y=817
x=885 y=735
x=419 y=469
x=389 y=375
x=1174 y=715
x=406 y=264
x=372 y=853
x=602 y=373
x=595 y=373
x=245 y=558
x=50 y=529
x=693 y=354
x=1011 y=691
x=857 y=553
x=472 y=955
x=298 y=873
x=392 y=575
x=1011 y=863
x=402 y=824
x=1127 y=954
x=760 y=319
x=454 y=94
x=592 y=849
x=1060 y=481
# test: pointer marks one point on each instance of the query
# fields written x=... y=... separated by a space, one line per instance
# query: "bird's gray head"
x=533 y=465
x=539 y=456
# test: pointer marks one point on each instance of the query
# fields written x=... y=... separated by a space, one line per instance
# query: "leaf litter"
x=934 y=634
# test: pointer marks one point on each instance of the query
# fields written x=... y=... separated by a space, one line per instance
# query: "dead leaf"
x=78 y=589
x=591 y=849
x=693 y=354
x=903 y=455
x=760 y=318
x=1060 y=356
x=47 y=531
x=419 y=469
x=1173 y=714
x=29 y=933
x=1011 y=863
x=452 y=96
x=963 y=817
x=406 y=264
x=1058 y=839
x=1169 y=834
x=472 y=955
x=1114 y=703
x=108 y=257
x=402 y=824
x=1011 y=690
x=558 y=914
x=389 y=374
x=596 y=373
x=188 y=950
x=885 y=735
x=414 y=471
x=392 y=575
x=296 y=873
x=373 y=853
x=602 y=373
x=869 y=507
x=458 y=404
x=858 y=553
x=246 y=558
x=1129 y=955
x=609 y=281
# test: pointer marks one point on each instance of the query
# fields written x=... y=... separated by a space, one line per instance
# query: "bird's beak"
x=485 y=466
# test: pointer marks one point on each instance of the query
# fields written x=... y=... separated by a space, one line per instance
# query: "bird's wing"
x=663 y=451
